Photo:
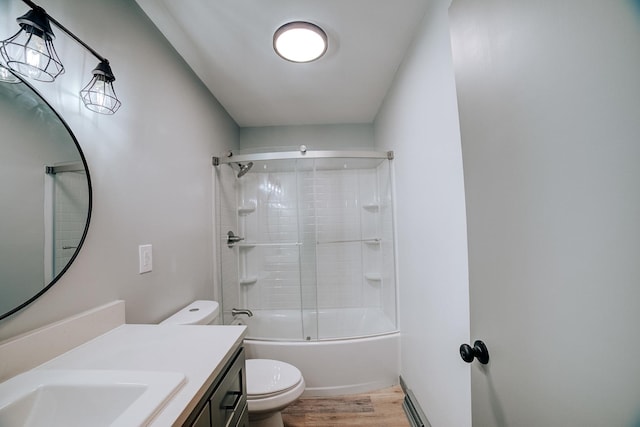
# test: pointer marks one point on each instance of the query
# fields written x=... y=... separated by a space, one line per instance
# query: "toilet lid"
x=266 y=376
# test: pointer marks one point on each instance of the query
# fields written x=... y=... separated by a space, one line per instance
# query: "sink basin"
x=56 y=398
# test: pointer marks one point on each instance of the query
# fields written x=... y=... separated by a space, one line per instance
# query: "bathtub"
x=339 y=359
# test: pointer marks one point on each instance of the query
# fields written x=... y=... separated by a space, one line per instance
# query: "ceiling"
x=228 y=44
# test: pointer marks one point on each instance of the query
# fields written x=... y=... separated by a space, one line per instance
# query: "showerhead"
x=244 y=168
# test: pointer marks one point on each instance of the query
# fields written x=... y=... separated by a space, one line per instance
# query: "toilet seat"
x=267 y=378
x=265 y=395
x=269 y=406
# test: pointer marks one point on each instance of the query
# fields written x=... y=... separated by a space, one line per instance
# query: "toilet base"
x=273 y=419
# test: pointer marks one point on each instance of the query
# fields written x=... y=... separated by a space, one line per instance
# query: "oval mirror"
x=46 y=196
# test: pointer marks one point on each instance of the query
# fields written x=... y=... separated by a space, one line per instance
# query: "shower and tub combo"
x=306 y=260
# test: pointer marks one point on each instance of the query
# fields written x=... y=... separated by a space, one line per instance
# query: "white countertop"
x=198 y=351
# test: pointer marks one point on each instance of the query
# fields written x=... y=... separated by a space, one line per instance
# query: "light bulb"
x=34 y=58
x=35 y=50
x=99 y=90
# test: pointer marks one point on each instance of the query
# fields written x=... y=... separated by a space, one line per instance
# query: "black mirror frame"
x=89 y=209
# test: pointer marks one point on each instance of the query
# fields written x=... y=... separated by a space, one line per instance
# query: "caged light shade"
x=30 y=52
x=98 y=95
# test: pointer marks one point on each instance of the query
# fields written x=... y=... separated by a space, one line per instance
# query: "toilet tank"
x=200 y=312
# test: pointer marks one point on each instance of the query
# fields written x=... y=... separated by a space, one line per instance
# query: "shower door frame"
x=52 y=239
x=303 y=154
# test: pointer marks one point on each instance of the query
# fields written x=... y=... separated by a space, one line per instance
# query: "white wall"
x=419 y=121
x=315 y=137
x=150 y=165
x=550 y=121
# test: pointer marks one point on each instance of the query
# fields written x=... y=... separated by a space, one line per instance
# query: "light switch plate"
x=146 y=258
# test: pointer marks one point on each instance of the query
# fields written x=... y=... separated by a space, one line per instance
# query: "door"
x=259 y=247
x=549 y=105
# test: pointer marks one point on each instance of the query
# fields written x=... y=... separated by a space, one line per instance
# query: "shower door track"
x=230 y=157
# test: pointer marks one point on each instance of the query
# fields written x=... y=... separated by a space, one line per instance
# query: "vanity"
x=175 y=375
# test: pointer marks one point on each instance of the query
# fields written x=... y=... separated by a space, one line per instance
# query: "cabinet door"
x=243 y=419
x=204 y=418
x=230 y=397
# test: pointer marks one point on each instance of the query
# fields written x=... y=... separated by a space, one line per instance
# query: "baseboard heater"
x=416 y=416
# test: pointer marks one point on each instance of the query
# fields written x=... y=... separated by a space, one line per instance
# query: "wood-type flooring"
x=381 y=408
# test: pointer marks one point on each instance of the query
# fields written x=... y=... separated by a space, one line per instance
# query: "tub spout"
x=237 y=311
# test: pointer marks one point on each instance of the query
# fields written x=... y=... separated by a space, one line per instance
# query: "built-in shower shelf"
x=374 y=277
x=371 y=206
x=246 y=209
x=250 y=280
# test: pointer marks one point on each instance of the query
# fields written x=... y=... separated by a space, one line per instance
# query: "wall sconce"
x=99 y=95
x=30 y=53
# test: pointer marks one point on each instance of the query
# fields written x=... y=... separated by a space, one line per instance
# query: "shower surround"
x=312 y=257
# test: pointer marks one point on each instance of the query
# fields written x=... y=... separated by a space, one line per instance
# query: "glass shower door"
x=311 y=253
x=355 y=260
x=261 y=268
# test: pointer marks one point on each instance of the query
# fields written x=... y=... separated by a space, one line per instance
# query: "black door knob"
x=478 y=351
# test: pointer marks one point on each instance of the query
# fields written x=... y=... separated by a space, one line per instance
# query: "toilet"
x=272 y=385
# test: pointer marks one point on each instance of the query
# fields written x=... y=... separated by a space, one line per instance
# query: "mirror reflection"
x=46 y=196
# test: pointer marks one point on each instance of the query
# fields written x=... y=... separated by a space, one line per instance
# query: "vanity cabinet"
x=225 y=402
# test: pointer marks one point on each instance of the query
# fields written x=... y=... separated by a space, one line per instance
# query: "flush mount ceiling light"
x=30 y=53
x=300 y=41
